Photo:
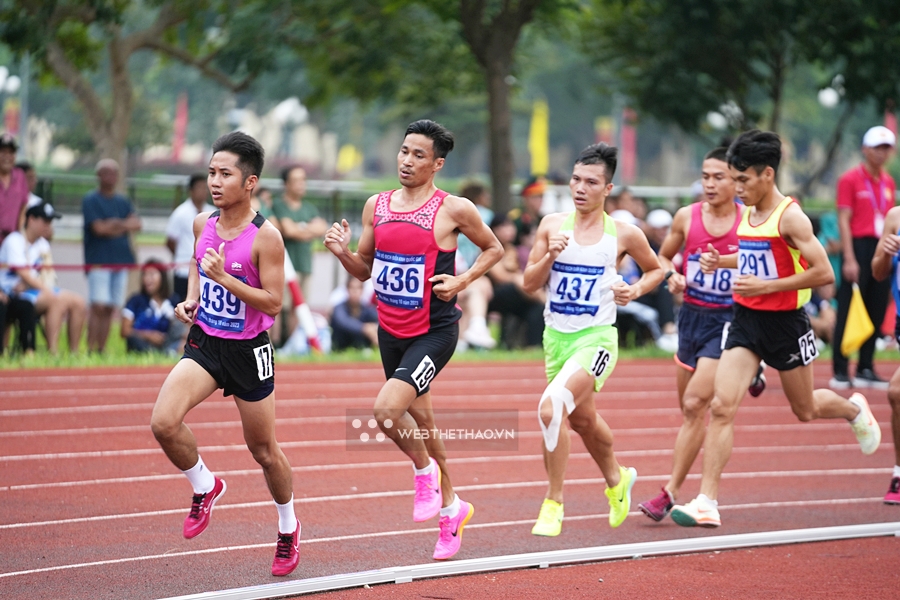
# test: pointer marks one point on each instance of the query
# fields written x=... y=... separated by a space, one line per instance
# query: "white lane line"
x=429 y=530
x=522 y=434
x=405 y=465
x=284 y=422
x=463 y=488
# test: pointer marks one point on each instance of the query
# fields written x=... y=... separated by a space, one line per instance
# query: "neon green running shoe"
x=620 y=496
x=549 y=521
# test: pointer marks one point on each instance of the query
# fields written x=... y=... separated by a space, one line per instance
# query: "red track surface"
x=91 y=508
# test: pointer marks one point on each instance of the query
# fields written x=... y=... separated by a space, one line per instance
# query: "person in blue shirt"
x=109 y=220
x=148 y=319
x=354 y=324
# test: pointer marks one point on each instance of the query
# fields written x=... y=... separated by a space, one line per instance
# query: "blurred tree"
x=69 y=40
x=420 y=53
x=679 y=60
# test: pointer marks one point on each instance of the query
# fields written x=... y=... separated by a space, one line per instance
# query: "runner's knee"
x=583 y=424
x=694 y=407
x=804 y=413
x=722 y=409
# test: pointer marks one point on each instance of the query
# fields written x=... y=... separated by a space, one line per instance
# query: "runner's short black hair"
x=720 y=153
x=250 y=153
x=601 y=153
x=440 y=136
x=757 y=149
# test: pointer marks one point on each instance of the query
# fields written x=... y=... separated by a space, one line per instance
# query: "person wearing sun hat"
x=865 y=193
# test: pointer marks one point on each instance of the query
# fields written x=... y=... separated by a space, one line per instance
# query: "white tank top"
x=579 y=293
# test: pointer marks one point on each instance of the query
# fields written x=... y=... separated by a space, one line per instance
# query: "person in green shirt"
x=299 y=222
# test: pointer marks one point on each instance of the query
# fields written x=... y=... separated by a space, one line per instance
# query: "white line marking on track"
x=523 y=434
x=430 y=530
x=462 y=488
x=405 y=465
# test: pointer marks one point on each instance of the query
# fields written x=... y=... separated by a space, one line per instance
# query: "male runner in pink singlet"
x=408 y=248
x=232 y=298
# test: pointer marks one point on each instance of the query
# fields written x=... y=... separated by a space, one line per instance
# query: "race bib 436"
x=399 y=279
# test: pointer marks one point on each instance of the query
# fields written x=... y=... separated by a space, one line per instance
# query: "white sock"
x=896 y=470
x=201 y=477
x=287 y=520
x=452 y=510
x=477 y=323
x=708 y=501
x=427 y=470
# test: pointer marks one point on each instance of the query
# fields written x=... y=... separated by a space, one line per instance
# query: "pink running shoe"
x=450 y=538
x=428 y=494
x=893 y=494
x=659 y=507
x=287 y=553
x=201 y=508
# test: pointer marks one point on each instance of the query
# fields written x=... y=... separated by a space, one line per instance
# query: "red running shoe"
x=201 y=507
x=893 y=494
x=658 y=507
x=287 y=553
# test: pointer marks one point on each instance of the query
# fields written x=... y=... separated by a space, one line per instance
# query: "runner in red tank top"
x=781 y=337
x=408 y=246
x=704 y=317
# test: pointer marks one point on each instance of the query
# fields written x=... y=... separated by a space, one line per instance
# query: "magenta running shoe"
x=893 y=494
x=428 y=494
x=287 y=553
x=450 y=538
x=201 y=508
x=658 y=507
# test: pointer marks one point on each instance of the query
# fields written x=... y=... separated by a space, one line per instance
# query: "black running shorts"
x=782 y=338
x=417 y=360
x=243 y=368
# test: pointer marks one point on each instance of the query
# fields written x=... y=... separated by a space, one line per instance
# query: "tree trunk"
x=830 y=151
x=500 y=133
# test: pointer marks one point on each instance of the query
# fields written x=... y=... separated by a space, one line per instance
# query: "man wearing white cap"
x=865 y=193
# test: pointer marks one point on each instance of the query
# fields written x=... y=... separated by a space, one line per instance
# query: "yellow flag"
x=859 y=326
x=539 y=138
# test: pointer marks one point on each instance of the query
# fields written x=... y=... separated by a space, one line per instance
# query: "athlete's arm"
x=337 y=239
x=186 y=310
x=268 y=254
x=888 y=245
x=674 y=241
x=548 y=243
x=633 y=242
x=712 y=260
x=797 y=231
x=465 y=218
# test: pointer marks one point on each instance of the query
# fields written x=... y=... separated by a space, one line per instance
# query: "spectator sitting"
x=509 y=299
x=17 y=310
x=481 y=198
x=148 y=319
x=180 y=231
x=822 y=315
x=354 y=324
x=25 y=253
x=527 y=218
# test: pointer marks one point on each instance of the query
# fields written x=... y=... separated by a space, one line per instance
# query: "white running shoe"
x=866 y=428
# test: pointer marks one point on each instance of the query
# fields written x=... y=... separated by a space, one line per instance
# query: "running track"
x=91 y=508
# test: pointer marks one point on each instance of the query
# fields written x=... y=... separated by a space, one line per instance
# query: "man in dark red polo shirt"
x=13 y=188
x=865 y=194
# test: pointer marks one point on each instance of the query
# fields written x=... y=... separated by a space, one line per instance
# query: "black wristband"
x=668 y=274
